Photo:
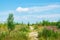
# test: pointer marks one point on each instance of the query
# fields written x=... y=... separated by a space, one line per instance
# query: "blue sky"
x=30 y=10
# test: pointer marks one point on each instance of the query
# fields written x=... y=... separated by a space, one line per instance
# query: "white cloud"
x=37 y=8
x=44 y=8
x=20 y=9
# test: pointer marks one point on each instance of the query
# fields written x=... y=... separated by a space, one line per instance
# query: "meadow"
x=44 y=30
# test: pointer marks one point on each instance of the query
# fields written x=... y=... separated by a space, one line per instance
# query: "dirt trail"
x=33 y=34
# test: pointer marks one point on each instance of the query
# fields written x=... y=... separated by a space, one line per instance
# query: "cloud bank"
x=37 y=8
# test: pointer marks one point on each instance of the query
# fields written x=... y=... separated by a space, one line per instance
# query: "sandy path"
x=33 y=34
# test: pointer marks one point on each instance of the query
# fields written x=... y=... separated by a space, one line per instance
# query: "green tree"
x=45 y=23
x=58 y=24
x=28 y=24
x=10 y=22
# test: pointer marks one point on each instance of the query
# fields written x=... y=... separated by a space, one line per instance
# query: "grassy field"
x=22 y=32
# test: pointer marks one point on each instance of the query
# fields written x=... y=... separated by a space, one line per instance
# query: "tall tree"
x=10 y=22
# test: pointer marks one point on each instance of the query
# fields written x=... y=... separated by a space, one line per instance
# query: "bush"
x=24 y=28
x=48 y=33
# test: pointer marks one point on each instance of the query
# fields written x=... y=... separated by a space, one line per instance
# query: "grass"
x=21 y=33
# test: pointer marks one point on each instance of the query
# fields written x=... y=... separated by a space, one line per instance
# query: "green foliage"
x=18 y=35
x=35 y=27
x=58 y=24
x=28 y=24
x=45 y=33
x=23 y=35
x=53 y=23
x=24 y=29
x=48 y=33
x=10 y=22
x=45 y=23
x=2 y=35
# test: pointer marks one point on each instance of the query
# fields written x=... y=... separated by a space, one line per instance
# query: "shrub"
x=24 y=28
x=48 y=33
